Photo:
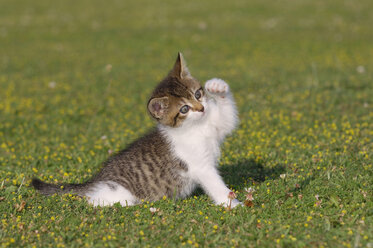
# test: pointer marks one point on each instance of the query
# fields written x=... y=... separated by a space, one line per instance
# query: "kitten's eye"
x=184 y=109
x=198 y=94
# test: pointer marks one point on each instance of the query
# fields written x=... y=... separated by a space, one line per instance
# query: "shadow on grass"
x=235 y=176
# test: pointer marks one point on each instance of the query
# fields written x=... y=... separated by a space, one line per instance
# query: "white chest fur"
x=197 y=145
x=198 y=148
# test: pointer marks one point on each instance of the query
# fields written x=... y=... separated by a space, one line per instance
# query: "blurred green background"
x=75 y=77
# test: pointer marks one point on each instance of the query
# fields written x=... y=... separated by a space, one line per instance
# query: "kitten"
x=181 y=153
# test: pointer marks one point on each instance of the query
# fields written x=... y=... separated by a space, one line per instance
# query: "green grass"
x=301 y=72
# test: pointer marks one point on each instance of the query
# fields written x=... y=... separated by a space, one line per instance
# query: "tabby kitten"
x=181 y=153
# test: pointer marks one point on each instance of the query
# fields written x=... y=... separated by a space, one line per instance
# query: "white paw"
x=236 y=203
x=233 y=204
x=217 y=86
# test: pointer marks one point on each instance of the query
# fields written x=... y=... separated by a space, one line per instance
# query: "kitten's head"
x=179 y=99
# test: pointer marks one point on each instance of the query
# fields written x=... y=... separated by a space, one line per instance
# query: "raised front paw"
x=217 y=86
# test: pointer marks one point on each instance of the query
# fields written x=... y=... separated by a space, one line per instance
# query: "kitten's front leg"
x=214 y=186
x=223 y=107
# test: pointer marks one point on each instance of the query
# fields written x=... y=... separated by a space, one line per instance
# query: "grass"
x=74 y=80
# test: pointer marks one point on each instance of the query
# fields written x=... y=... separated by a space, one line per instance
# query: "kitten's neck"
x=183 y=130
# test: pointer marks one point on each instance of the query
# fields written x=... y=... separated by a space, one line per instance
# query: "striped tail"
x=50 y=189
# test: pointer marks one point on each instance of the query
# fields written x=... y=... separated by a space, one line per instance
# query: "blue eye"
x=184 y=109
x=198 y=94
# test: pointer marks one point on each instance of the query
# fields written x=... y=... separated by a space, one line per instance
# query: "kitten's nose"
x=202 y=109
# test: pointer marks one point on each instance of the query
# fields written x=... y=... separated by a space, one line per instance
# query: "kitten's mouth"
x=204 y=110
x=203 y=114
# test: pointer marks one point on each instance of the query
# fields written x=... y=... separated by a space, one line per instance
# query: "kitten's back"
x=147 y=168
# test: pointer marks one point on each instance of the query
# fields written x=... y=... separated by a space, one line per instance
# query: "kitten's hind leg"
x=106 y=193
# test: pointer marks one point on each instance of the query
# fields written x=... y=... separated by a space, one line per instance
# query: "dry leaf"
x=315 y=159
x=21 y=226
x=249 y=204
x=21 y=206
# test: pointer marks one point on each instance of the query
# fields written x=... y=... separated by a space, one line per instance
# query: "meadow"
x=75 y=77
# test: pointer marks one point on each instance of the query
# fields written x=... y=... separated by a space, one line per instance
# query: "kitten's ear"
x=180 y=69
x=157 y=107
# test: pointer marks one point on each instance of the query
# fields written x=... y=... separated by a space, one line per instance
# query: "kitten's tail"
x=50 y=189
